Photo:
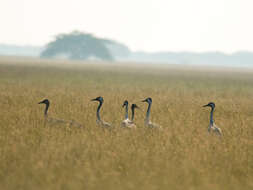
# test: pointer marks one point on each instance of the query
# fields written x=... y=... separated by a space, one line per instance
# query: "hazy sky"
x=150 y=25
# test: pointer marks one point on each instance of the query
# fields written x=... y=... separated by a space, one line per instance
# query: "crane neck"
x=98 y=111
x=132 y=114
x=46 y=110
x=126 y=114
x=148 y=112
x=211 y=116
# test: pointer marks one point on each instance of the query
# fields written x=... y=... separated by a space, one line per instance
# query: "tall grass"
x=183 y=156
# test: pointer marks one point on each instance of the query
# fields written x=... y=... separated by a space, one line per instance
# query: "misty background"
x=199 y=32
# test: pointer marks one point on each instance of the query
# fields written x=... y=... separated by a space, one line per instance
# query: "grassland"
x=182 y=156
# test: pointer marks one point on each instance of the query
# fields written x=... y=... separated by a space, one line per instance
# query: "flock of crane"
x=127 y=123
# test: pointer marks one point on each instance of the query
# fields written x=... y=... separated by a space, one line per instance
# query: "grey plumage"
x=212 y=126
x=52 y=120
x=99 y=121
x=127 y=123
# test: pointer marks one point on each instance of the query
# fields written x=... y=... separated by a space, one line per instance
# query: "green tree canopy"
x=77 y=45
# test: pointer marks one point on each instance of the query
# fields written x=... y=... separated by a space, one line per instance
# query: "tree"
x=77 y=45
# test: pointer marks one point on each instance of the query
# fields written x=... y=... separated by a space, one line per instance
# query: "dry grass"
x=182 y=156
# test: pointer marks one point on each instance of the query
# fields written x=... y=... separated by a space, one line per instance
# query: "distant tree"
x=118 y=50
x=77 y=45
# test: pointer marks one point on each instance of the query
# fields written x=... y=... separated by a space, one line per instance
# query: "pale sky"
x=148 y=25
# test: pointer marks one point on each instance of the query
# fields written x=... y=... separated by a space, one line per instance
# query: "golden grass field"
x=182 y=156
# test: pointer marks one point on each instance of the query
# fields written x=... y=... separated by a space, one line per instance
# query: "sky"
x=142 y=25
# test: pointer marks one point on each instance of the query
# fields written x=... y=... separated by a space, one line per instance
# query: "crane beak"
x=206 y=105
x=143 y=100
x=40 y=103
x=93 y=99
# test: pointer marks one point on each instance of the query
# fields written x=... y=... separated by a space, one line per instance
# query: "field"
x=35 y=155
